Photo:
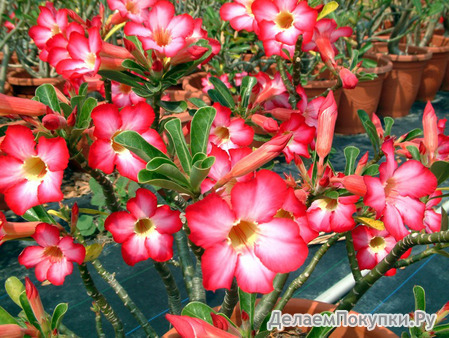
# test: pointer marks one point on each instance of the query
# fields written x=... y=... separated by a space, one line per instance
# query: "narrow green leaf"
x=122 y=77
x=38 y=213
x=200 y=129
x=388 y=125
x=221 y=93
x=370 y=130
x=247 y=304
x=319 y=332
x=66 y=109
x=198 y=102
x=199 y=172
x=83 y=89
x=167 y=168
x=440 y=329
x=58 y=314
x=47 y=95
x=83 y=119
x=132 y=141
x=413 y=134
x=420 y=298
x=198 y=310
x=444 y=220
x=174 y=107
x=414 y=151
x=6 y=318
x=133 y=65
x=332 y=194
x=372 y=170
x=246 y=89
x=328 y=9
x=174 y=130
x=25 y=304
x=161 y=181
x=14 y=288
x=441 y=171
x=351 y=154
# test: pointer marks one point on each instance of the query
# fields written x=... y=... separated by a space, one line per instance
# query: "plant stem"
x=267 y=302
x=174 y=297
x=101 y=301
x=4 y=67
x=157 y=110
x=124 y=297
x=99 y=325
x=416 y=258
x=297 y=63
x=349 y=301
x=290 y=88
x=302 y=278
x=108 y=90
x=351 y=256
x=230 y=300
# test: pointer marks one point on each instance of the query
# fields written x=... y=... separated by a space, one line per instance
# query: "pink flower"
x=105 y=154
x=348 y=78
x=206 y=84
x=49 y=23
x=162 y=31
x=395 y=194
x=432 y=219
x=372 y=246
x=146 y=230
x=302 y=136
x=122 y=95
x=239 y=15
x=245 y=240
x=31 y=174
x=268 y=88
x=328 y=214
x=14 y=230
x=283 y=20
x=54 y=256
x=229 y=133
x=194 y=327
x=134 y=10
x=325 y=34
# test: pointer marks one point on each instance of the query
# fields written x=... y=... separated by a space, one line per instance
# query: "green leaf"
x=221 y=93
x=142 y=92
x=135 y=143
x=372 y=170
x=319 y=332
x=58 y=314
x=47 y=95
x=420 y=298
x=440 y=329
x=174 y=107
x=248 y=82
x=6 y=318
x=414 y=151
x=161 y=181
x=444 y=220
x=174 y=130
x=199 y=172
x=66 y=109
x=135 y=40
x=370 y=130
x=38 y=214
x=441 y=171
x=83 y=119
x=25 y=304
x=332 y=194
x=388 y=125
x=247 y=304
x=167 y=168
x=200 y=129
x=198 y=310
x=98 y=199
x=327 y=9
x=122 y=77
x=83 y=89
x=262 y=334
x=14 y=288
x=198 y=102
x=351 y=154
x=134 y=66
x=413 y=134
x=177 y=72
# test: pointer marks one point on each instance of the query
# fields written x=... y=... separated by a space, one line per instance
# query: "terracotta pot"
x=191 y=87
x=401 y=85
x=23 y=85
x=435 y=69
x=318 y=87
x=311 y=307
x=365 y=96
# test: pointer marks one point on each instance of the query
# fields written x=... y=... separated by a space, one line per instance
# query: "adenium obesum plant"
x=206 y=196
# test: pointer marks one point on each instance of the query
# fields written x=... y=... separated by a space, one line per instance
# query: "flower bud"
x=10 y=105
x=430 y=127
x=54 y=121
x=348 y=78
x=267 y=123
x=327 y=117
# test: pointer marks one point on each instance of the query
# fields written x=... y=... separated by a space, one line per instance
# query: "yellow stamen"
x=34 y=168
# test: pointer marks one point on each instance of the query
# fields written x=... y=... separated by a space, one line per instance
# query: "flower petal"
x=74 y=252
x=160 y=246
x=58 y=271
x=143 y=205
x=19 y=142
x=135 y=250
x=121 y=225
x=167 y=221
x=31 y=256
x=217 y=275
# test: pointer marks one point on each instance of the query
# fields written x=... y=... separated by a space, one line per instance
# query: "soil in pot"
x=401 y=85
x=23 y=85
x=435 y=69
x=312 y=307
x=191 y=88
x=364 y=96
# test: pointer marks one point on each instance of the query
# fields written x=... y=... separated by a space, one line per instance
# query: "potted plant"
x=236 y=224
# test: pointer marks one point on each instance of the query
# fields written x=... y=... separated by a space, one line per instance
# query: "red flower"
x=245 y=240
x=239 y=15
x=134 y=10
x=302 y=136
x=162 y=31
x=105 y=154
x=54 y=256
x=189 y=327
x=145 y=231
x=31 y=174
x=395 y=194
x=122 y=95
x=49 y=23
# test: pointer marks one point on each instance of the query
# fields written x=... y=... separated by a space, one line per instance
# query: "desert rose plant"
x=204 y=194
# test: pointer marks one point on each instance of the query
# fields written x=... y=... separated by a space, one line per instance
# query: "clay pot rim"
x=13 y=79
x=441 y=45
x=385 y=67
x=187 y=80
x=422 y=53
x=320 y=84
